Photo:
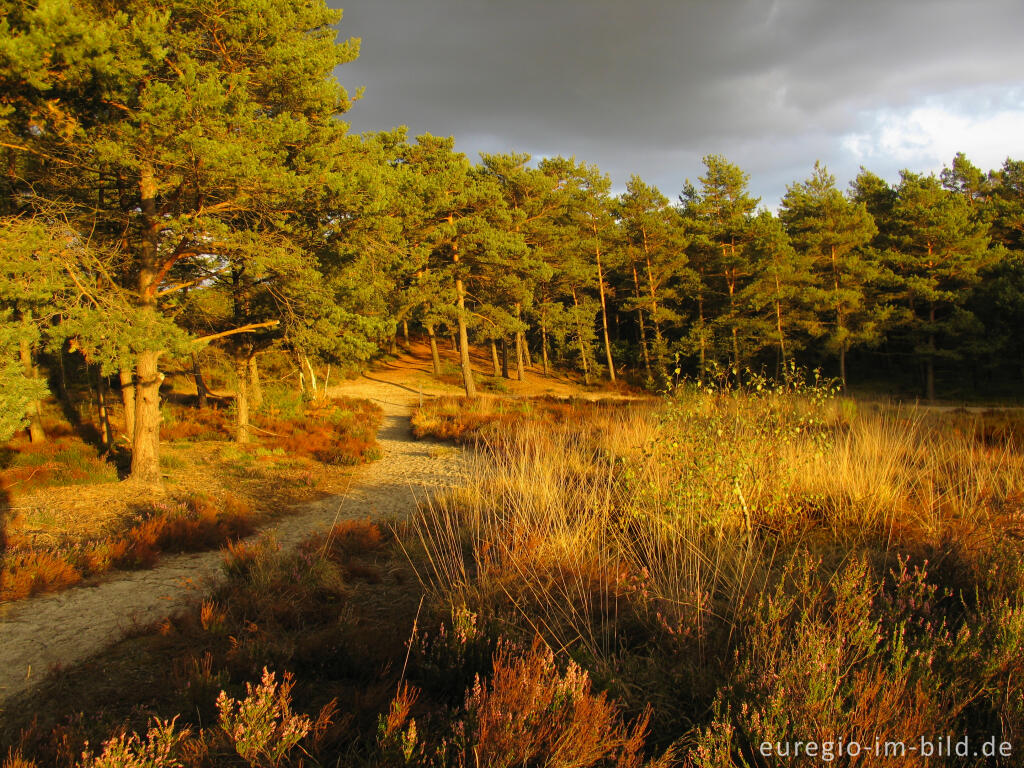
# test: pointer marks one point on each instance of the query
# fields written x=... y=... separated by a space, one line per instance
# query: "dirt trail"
x=62 y=629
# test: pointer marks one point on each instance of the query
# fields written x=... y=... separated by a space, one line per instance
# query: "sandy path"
x=39 y=634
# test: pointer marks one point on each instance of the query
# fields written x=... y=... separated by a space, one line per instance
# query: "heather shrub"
x=262 y=727
x=526 y=712
x=158 y=749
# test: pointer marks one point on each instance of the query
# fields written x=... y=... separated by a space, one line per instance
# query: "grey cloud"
x=649 y=87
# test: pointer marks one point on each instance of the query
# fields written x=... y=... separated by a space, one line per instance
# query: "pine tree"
x=657 y=265
x=939 y=248
x=720 y=216
x=179 y=133
x=833 y=232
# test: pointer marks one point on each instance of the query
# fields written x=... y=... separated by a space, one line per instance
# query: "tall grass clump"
x=704 y=556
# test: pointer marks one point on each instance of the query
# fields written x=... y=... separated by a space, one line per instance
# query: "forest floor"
x=49 y=632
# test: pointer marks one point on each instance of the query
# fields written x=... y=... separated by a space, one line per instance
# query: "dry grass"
x=196 y=523
x=645 y=545
x=55 y=537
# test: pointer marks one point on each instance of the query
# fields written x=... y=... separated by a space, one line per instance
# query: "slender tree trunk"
x=659 y=344
x=544 y=347
x=700 y=320
x=604 y=314
x=455 y=343
x=311 y=376
x=102 y=412
x=255 y=388
x=128 y=401
x=520 y=372
x=35 y=426
x=579 y=336
x=146 y=443
x=504 y=358
x=405 y=332
x=435 y=357
x=526 y=353
x=202 y=391
x=778 y=317
x=735 y=331
x=460 y=297
x=242 y=400
x=496 y=366
x=640 y=321
x=840 y=326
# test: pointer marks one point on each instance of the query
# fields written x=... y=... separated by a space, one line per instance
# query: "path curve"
x=41 y=633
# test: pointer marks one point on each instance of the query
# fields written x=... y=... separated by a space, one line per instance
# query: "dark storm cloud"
x=649 y=87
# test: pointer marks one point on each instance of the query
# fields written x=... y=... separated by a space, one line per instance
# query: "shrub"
x=156 y=750
x=261 y=727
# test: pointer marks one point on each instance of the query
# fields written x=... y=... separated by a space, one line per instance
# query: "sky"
x=649 y=88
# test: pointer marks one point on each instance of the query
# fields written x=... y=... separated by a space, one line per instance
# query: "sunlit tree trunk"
x=128 y=401
x=242 y=399
x=146 y=443
x=35 y=426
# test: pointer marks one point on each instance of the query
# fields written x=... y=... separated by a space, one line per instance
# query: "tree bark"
x=242 y=400
x=604 y=313
x=255 y=388
x=146 y=443
x=102 y=412
x=640 y=320
x=35 y=426
x=495 y=365
x=128 y=401
x=526 y=353
x=504 y=358
x=202 y=391
x=435 y=357
x=579 y=336
x=405 y=332
x=520 y=372
x=463 y=348
x=544 y=347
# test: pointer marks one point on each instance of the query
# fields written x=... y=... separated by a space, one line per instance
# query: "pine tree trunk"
x=504 y=358
x=242 y=400
x=700 y=320
x=467 y=370
x=102 y=412
x=146 y=443
x=659 y=342
x=255 y=388
x=495 y=365
x=35 y=427
x=405 y=332
x=435 y=357
x=604 y=315
x=640 y=321
x=520 y=372
x=842 y=366
x=128 y=401
x=526 y=353
x=455 y=342
x=202 y=391
x=579 y=335
x=544 y=347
